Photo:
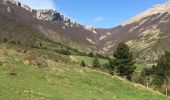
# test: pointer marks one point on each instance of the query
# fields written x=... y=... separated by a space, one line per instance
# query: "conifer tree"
x=96 y=63
x=124 y=61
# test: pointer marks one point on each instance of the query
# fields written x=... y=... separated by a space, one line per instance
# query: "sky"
x=97 y=13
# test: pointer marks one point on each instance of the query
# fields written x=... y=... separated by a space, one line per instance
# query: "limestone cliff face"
x=48 y=14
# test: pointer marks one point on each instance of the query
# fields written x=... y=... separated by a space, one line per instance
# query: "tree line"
x=122 y=63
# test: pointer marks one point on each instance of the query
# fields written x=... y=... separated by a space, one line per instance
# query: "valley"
x=47 y=56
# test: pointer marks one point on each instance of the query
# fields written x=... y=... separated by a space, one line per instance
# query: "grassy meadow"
x=19 y=80
x=87 y=60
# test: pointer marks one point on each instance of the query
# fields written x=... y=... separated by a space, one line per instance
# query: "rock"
x=9 y=10
x=26 y=7
x=48 y=14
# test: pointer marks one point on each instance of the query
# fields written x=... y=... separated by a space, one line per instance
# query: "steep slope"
x=58 y=81
x=19 y=22
x=147 y=33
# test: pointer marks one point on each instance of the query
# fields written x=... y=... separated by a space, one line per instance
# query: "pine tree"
x=96 y=63
x=124 y=60
x=91 y=54
x=162 y=71
x=82 y=64
x=112 y=69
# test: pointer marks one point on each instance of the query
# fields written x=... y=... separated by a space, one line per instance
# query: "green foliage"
x=82 y=64
x=96 y=63
x=111 y=64
x=162 y=70
x=147 y=71
x=87 y=60
x=124 y=60
x=157 y=76
x=111 y=67
x=5 y=40
x=91 y=54
x=19 y=42
x=12 y=42
x=146 y=76
x=19 y=80
x=102 y=56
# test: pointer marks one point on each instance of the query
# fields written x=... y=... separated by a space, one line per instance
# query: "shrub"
x=64 y=52
x=13 y=71
x=82 y=64
x=12 y=42
x=39 y=62
x=19 y=42
x=5 y=40
x=91 y=54
x=96 y=63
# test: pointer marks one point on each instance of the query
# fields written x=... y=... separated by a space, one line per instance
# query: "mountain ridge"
x=142 y=33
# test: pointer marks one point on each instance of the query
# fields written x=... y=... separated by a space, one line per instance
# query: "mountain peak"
x=156 y=9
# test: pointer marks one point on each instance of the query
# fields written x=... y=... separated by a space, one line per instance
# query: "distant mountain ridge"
x=147 y=34
x=52 y=24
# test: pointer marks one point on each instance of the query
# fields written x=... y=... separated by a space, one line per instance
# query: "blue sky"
x=98 y=13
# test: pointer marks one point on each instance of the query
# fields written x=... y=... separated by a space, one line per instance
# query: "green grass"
x=66 y=82
x=87 y=60
x=61 y=81
x=139 y=67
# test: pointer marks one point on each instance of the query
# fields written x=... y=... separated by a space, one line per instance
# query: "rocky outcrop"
x=49 y=15
x=90 y=28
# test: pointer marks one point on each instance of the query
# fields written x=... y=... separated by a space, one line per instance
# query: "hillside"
x=47 y=56
x=59 y=81
x=147 y=34
x=18 y=22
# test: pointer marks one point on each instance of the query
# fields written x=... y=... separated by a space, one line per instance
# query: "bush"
x=64 y=52
x=5 y=40
x=96 y=63
x=91 y=54
x=82 y=64
x=12 y=42
x=39 y=62
x=19 y=42
x=13 y=71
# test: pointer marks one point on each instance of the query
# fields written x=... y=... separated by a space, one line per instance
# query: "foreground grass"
x=87 y=60
x=65 y=82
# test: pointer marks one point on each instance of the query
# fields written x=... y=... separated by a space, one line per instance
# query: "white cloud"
x=98 y=19
x=39 y=4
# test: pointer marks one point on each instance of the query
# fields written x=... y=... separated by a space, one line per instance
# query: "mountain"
x=147 y=33
x=19 y=22
x=41 y=51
